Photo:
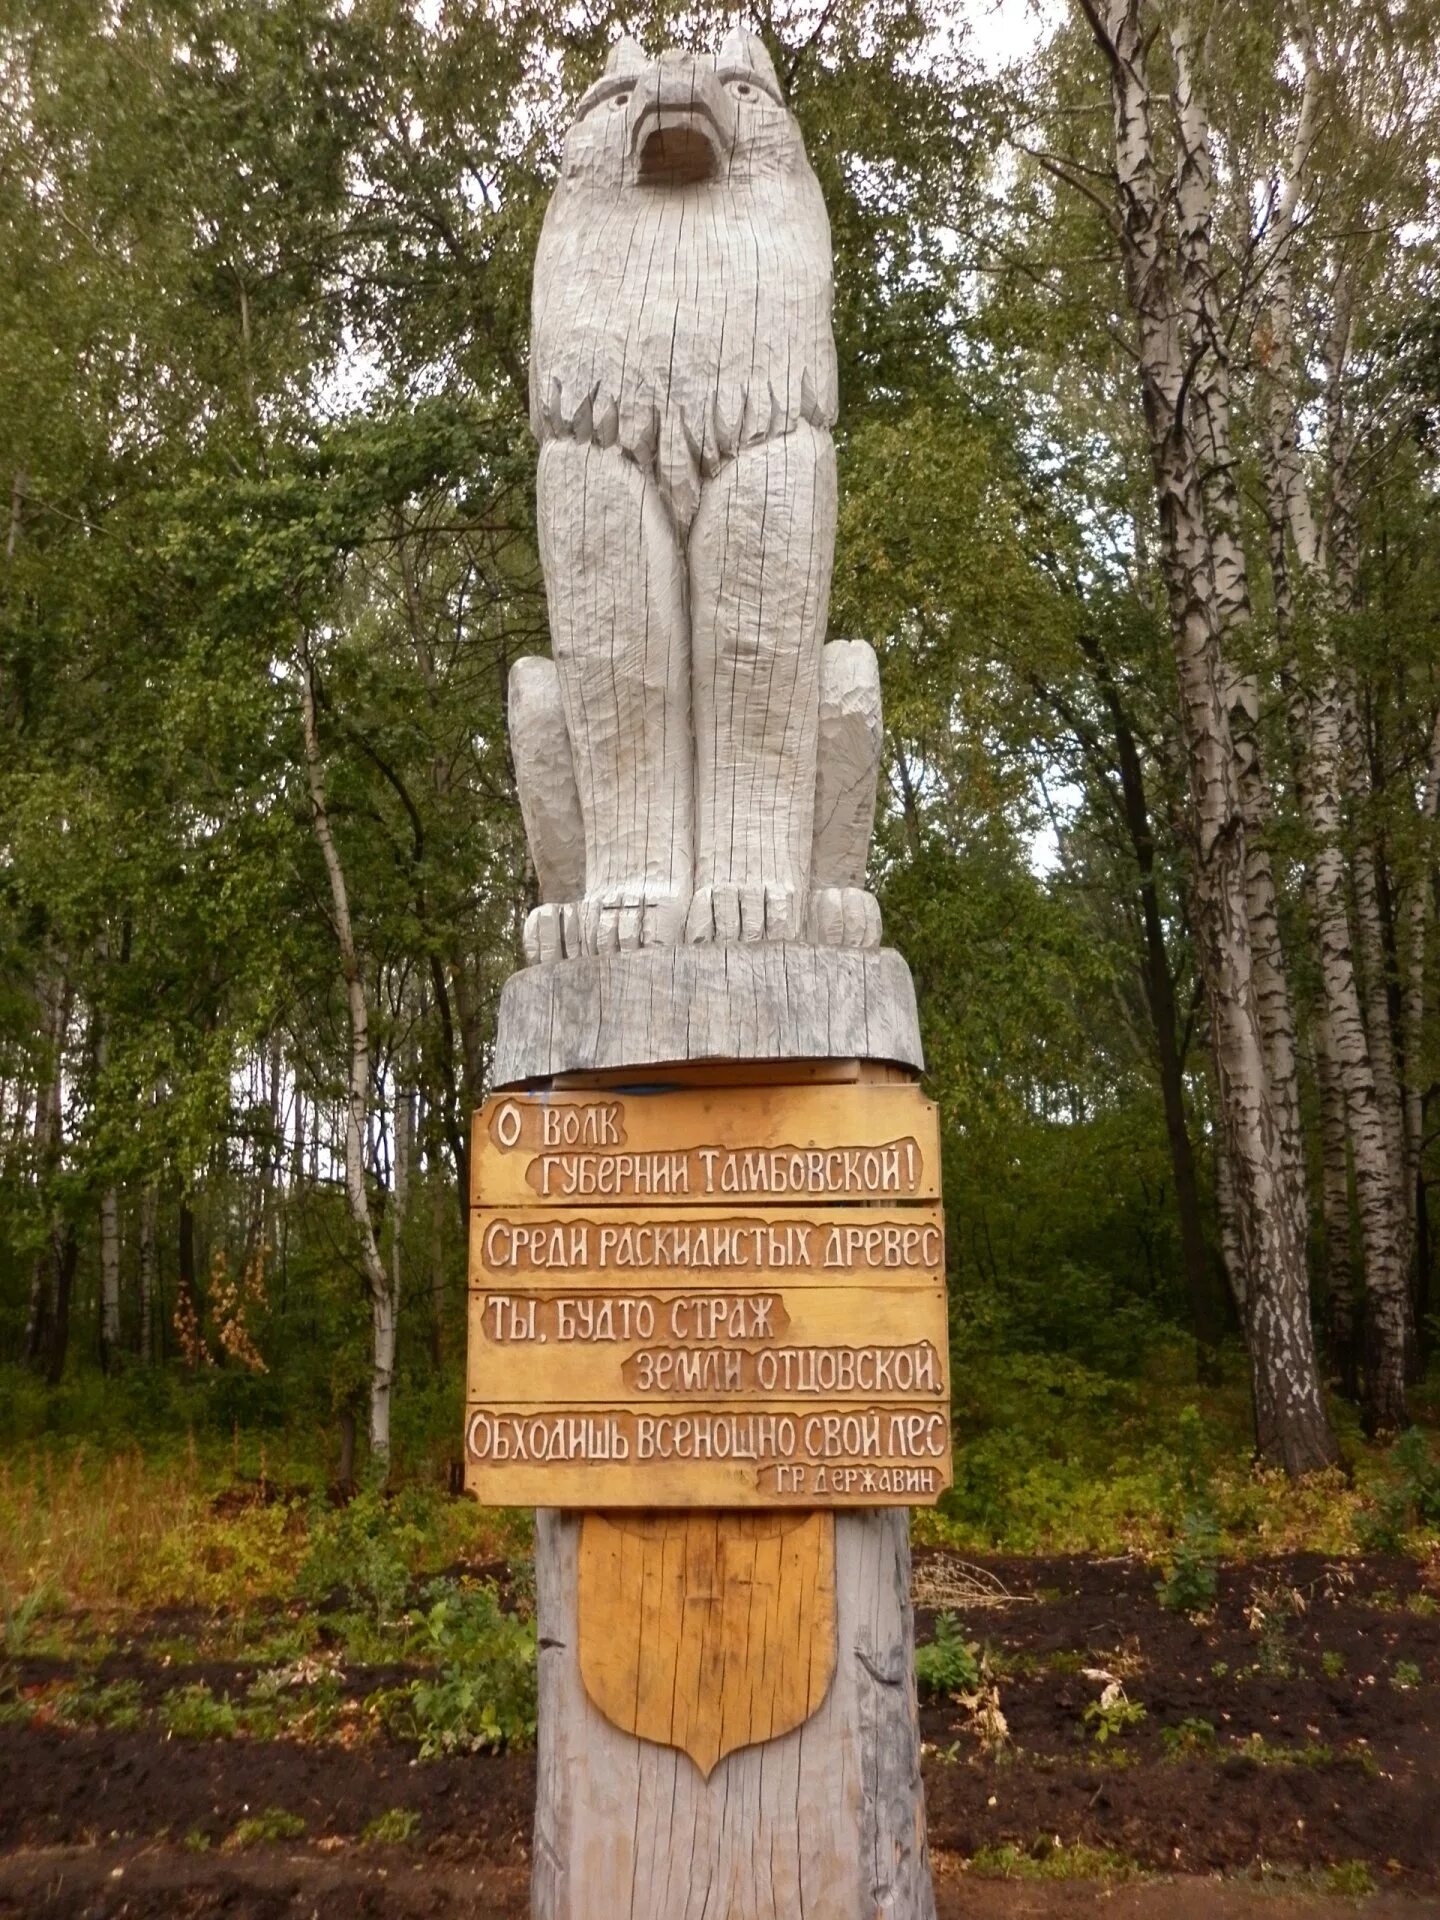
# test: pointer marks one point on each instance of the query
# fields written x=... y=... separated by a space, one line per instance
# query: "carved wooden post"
x=708 y=1331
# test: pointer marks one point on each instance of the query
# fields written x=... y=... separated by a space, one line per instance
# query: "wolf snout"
x=682 y=124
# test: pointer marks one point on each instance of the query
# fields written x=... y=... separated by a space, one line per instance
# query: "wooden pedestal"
x=758 y=1752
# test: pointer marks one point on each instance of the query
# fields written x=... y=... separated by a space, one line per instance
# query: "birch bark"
x=383 y=1302
x=1316 y=716
x=1207 y=329
x=1291 y=1423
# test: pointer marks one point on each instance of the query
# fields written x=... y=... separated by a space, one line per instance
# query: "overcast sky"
x=1002 y=30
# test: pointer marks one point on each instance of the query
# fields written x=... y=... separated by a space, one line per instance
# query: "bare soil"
x=1303 y=1716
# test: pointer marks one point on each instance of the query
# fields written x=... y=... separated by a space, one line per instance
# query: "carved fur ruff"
x=687 y=322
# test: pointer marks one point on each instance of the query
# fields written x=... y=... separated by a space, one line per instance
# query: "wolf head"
x=684 y=120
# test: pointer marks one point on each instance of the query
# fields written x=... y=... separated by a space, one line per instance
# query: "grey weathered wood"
x=683 y=389
x=826 y=1822
x=719 y=764
x=778 y=1001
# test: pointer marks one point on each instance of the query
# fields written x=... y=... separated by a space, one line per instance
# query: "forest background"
x=1140 y=376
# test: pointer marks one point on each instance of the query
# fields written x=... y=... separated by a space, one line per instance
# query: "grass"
x=1052 y=1859
x=269 y=1828
x=1068 y=1460
x=184 y=1526
x=396 y=1827
x=231 y=1526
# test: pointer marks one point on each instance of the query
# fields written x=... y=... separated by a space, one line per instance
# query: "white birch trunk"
x=1362 y=1063
x=357 y=1106
x=1417 y=921
x=1291 y=1424
x=1210 y=417
x=1232 y=1249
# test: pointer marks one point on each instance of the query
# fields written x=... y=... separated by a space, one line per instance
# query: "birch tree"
x=1160 y=276
x=381 y=1288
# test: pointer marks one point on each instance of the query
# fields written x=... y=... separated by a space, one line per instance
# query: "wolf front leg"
x=550 y=807
x=615 y=582
x=761 y=549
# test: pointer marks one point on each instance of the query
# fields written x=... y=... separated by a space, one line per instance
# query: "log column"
x=827 y=1821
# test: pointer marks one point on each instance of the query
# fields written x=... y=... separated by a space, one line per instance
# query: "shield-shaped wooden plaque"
x=707 y=1631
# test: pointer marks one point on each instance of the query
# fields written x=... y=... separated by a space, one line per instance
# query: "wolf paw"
x=743 y=915
x=552 y=932
x=844 y=917
x=606 y=927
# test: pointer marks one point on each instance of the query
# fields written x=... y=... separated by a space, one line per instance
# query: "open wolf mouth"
x=678 y=146
x=677 y=157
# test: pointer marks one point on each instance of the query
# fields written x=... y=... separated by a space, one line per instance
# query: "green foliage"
x=1408 y=1499
x=396 y=1827
x=483 y=1693
x=1349 y=1879
x=948 y=1664
x=116 y=1705
x=363 y=1552
x=1406 y=1674
x=1048 y=1859
x=266 y=1829
x=1191 y=1578
x=193 y=1713
x=18 y=1618
x=1188 y=1738
x=1113 y=1715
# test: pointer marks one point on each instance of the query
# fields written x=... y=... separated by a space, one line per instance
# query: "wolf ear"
x=626 y=56
x=743 y=49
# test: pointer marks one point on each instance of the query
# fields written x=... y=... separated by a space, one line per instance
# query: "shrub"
x=396 y=1827
x=1113 y=1719
x=193 y=1713
x=364 y=1551
x=1409 y=1499
x=949 y=1664
x=265 y=1829
x=1350 y=1877
x=482 y=1695
x=1191 y=1579
x=1188 y=1737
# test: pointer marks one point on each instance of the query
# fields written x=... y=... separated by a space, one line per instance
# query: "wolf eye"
x=742 y=89
x=618 y=101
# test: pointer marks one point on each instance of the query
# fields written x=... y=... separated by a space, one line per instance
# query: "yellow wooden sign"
x=743 y=1349
x=767 y=1328
x=515 y=1247
x=706 y=1146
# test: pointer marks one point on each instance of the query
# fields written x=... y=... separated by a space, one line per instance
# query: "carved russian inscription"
x=770 y=1330
x=765 y=1144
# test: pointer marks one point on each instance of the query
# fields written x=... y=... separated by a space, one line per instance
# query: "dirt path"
x=165 y=1883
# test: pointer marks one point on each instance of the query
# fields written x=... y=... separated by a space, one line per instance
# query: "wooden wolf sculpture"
x=693 y=764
